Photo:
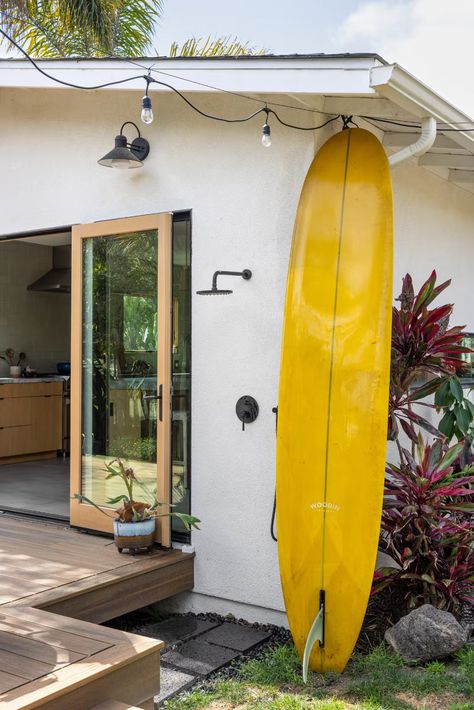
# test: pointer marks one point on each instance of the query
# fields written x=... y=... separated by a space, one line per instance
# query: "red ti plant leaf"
x=409 y=430
x=424 y=293
x=423 y=346
x=428 y=527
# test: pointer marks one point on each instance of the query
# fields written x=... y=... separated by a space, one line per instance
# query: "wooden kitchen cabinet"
x=30 y=420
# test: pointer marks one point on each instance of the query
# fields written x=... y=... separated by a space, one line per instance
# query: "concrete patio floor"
x=38 y=487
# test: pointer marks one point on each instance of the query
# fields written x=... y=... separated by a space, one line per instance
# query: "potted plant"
x=135 y=521
x=14 y=361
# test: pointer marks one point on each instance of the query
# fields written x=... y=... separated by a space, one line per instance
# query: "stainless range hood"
x=58 y=279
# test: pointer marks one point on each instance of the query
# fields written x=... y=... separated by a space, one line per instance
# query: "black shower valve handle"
x=246 y=410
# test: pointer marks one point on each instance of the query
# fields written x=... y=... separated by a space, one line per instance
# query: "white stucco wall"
x=243 y=199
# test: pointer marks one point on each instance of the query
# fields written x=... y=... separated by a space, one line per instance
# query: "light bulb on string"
x=147 y=110
x=266 y=137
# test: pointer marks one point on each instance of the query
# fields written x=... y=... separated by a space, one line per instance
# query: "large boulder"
x=425 y=634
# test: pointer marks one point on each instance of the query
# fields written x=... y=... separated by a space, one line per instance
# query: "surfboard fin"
x=316 y=633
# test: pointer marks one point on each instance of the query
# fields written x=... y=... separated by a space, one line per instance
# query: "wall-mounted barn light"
x=126 y=155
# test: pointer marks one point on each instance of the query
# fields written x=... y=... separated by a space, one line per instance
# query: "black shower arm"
x=244 y=274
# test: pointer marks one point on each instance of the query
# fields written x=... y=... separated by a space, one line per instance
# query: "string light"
x=147 y=109
x=266 y=137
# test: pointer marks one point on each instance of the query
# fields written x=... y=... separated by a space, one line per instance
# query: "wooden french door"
x=120 y=363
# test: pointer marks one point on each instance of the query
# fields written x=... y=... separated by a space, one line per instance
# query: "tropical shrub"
x=425 y=354
x=427 y=522
x=428 y=527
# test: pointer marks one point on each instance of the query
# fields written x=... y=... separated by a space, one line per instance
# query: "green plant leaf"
x=85 y=499
x=112 y=501
x=470 y=406
x=456 y=389
x=450 y=456
x=463 y=420
x=443 y=396
x=189 y=521
x=446 y=424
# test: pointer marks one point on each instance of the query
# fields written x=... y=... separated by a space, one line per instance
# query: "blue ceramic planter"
x=134 y=536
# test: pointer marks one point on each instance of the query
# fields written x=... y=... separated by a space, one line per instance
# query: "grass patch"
x=378 y=681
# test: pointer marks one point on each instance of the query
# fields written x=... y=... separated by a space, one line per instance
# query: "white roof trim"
x=404 y=89
x=336 y=75
x=266 y=75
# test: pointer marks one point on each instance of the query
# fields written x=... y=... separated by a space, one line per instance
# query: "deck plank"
x=8 y=681
x=37 y=650
x=52 y=567
x=66 y=640
x=127 y=669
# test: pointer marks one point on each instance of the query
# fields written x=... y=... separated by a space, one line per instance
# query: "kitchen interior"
x=35 y=304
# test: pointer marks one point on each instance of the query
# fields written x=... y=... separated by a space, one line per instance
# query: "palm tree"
x=81 y=28
x=99 y=28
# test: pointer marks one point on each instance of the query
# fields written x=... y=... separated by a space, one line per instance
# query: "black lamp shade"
x=121 y=156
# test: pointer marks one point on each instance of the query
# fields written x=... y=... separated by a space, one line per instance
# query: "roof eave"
x=401 y=87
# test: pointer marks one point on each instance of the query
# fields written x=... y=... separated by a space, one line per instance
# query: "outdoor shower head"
x=214 y=291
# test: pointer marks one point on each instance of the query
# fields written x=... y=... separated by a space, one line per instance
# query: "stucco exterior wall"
x=243 y=200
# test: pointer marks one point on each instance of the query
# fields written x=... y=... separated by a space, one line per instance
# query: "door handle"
x=157 y=396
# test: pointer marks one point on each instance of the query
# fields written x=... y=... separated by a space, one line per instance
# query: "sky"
x=432 y=39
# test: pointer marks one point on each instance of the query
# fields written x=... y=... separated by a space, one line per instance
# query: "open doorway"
x=35 y=325
x=116 y=397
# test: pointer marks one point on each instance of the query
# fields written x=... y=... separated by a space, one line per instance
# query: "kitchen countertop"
x=30 y=380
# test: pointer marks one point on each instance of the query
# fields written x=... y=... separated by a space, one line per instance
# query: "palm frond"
x=214 y=47
x=81 y=28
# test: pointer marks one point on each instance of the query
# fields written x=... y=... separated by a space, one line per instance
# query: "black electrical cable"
x=203 y=113
x=264 y=109
x=302 y=128
x=417 y=125
x=229 y=91
x=150 y=80
x=60 y=81
x=272 y=524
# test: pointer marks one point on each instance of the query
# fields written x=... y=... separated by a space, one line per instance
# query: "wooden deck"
x=61 y=661
x=46 y=566
x=50 y=662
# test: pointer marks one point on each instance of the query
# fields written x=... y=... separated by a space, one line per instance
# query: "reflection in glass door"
x=122 y=377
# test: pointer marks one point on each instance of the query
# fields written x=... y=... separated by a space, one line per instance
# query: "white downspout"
x=422 y=145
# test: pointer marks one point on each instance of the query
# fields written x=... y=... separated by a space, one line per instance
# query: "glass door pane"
x=121 y=364
x=181 y=373
x=120 y=361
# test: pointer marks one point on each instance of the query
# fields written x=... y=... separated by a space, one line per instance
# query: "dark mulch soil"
x=384 y=610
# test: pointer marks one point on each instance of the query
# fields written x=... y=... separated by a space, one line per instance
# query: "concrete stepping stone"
x=235 y=636
x=177 y=628
x=198 y=657
x=171 y=682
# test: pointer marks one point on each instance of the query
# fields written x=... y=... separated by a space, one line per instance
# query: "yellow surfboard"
x=333 y=398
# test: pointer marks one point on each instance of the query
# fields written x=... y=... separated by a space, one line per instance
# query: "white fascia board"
x=398 y=85
x=317 y=75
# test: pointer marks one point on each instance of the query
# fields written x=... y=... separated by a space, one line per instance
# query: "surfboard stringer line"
x=316 y=633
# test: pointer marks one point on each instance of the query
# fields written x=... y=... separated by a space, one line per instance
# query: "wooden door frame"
x=82 y=515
